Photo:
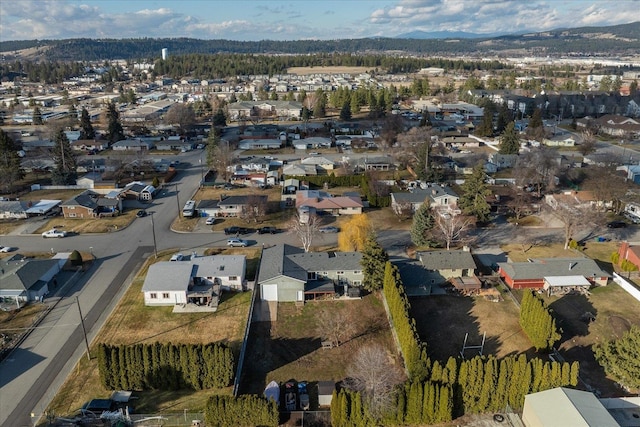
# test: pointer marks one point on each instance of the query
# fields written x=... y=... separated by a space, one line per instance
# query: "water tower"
x=165 y=53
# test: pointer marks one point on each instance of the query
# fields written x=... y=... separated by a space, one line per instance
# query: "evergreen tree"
x=345 y=111
x=504 y=117
x=65 y=168
x=10 y=165
x=473 y=200
x=320 y=106
x=510 y=141
x=37 y=116
x=485 y=128
x=374 y=259
x=219 y=119
x=114 y=127
x=86 y=129
x=422 y=225
x=620 y=358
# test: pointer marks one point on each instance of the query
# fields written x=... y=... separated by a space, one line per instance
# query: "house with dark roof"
x=90 y=204
x=535 y=273
x=133 y=145
x=139 y=191
x=443 y=199
x=197 y=282
x=444 y=266
x=26 y=279
x=288 y=274
x=231 y=206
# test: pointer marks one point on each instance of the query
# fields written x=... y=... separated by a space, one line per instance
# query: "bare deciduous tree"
x=573 y=216
x=182 y=115
x=452 y=228
x=305 y=228
x=374 y=373
x=403 y=210
x=255 y=209
x=335 y=326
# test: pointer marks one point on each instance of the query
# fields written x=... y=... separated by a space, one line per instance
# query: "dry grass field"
x=132 y=322
x=291 y=346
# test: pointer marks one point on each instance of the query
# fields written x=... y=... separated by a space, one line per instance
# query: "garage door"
x=270 y=292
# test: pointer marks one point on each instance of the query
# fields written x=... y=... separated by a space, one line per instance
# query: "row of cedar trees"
x=538 y=322
x=165 y=366
x=375 y=198
x=436 y=392
x=248 y=410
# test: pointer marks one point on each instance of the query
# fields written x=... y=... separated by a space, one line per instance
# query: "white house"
x=198 y=281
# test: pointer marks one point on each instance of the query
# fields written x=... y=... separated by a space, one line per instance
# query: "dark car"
x=616 y=224
x=329 y=229
x=141 y=213
x=268 y=230
x=238 y=230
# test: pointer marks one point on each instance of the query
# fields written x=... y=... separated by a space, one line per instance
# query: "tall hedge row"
x=241 y=411
x=165 y=366
x=537 y=321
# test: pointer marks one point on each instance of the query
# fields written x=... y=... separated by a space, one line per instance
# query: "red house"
x=630 y=253
x=533 y=273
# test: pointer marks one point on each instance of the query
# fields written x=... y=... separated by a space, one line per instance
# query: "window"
x=72 y=215
x=311 y=275
x=357 y=283
x=233 y=278
x=357 y=272
x=339 y=272
x=153 y=295
x=165 y=295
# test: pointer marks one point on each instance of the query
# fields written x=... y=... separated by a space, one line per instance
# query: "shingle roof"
x=441 y=260
x=542 y=267
x=286 y=260
x=23 y=275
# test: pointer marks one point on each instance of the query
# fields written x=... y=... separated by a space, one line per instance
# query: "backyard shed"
x=325 y=392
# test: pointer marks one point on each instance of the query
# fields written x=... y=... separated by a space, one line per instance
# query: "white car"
x=7 y=249
x=54 y=233
x=234 y=242
x=210 y=221
x=177 y=257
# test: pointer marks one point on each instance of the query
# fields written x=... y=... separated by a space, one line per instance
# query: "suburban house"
x=259 y=144
x=630 y=253
x=323 y=203
x=377 y=163
x=21 y=209
x=574 y=199
x=563 y=406
x=290 y=187
x=312 y=142
x=288 y=274
x=90 y=204
x=563 y=272
x=612 y=124
x=139 y=191
x=457 y=267
x=133 y=145
x=198 y=281
x=27 y=279
x=231 y=206
x=89 y=145
x=442 y=199
x=245 y=109
x=503 y=161
x=322 y=164
x=295 y=169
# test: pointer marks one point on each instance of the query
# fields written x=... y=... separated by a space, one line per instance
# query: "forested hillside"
x=614 y=40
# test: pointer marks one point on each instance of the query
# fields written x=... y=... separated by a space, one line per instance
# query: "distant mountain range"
x=616 y=40
x=423 y=35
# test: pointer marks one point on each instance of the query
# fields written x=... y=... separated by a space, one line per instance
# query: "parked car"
x=616 y=224
x=329 y=229
x=290 y=396
x=6 y=249
x=177 y=257
x=54 y=233
x=210 y=221
x=238 y=230
x=303 y=396
x=141 y=213
x=235 y=242
x=268 y=230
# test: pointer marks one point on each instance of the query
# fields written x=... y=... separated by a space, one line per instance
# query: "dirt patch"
x=291 y=347
x=14 y=322
x=619 y=326
x=444 y=320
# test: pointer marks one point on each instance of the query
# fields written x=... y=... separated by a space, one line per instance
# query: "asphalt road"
x=33 y=373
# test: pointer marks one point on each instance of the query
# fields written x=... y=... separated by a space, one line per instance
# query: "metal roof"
x=543 y=267
x=441 y=260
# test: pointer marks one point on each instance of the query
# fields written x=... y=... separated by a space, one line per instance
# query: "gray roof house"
x=197 y=282
x=532 y=274
x=25 y=279
x=13 y=209
x=443 y=266
x=288 y=274
x=231 y=206
x=441 y=198
x=90 y=204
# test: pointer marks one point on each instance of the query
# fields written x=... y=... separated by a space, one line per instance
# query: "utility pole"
x=177 y=199
x=153 y=231
x=84 y=331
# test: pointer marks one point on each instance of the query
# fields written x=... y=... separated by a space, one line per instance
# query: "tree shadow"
x=573 y=314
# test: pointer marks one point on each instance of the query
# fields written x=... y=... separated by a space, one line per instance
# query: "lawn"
x=101 y=225
x=132 y=322
x=291 y=346
x=14 y=322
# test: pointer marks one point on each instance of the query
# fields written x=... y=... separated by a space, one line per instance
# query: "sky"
x=251 y=20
